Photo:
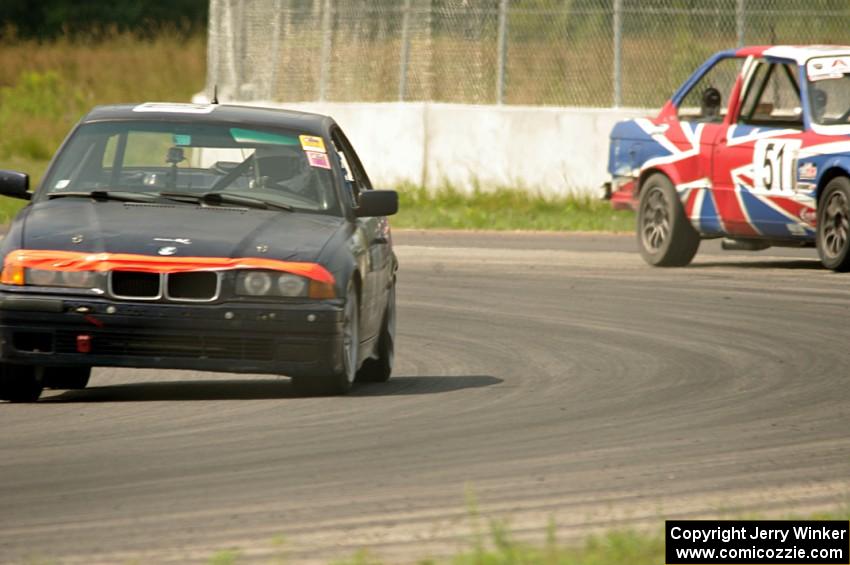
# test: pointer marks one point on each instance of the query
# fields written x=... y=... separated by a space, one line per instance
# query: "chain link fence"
x=599 y=53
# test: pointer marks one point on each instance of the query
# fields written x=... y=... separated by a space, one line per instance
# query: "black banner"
x=763 y=542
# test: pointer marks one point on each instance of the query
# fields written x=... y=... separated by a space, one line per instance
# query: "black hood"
x=79 y=224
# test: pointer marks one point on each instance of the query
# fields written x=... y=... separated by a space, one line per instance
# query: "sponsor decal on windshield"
x=312 y=143
x=319 y=160
x=823 y=68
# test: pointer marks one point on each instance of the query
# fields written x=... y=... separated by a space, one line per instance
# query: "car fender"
x=14 y=237
x=344 y=255
x=828 y=167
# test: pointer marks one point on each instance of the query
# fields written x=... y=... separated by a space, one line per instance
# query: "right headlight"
x=70 y=279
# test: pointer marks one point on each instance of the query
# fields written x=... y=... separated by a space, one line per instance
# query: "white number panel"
x=773 y=165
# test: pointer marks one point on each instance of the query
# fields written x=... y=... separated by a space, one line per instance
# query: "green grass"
x=506 y=209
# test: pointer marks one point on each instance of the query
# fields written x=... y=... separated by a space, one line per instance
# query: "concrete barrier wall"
x=552 y=150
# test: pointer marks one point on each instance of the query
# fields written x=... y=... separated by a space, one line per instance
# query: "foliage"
x=49 y=19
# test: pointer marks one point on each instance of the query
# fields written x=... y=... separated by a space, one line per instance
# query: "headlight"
x=40 y=277
x=266 y=283
x=254 y=283
x=79 y=279
x=70 y=279
x=291 y=285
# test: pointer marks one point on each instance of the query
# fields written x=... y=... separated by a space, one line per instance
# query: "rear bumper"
x=281 y=338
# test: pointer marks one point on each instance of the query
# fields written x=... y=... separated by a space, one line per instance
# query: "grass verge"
x=506 y=209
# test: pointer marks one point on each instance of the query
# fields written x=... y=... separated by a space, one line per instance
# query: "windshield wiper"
x=225 y=198
x=120 y=195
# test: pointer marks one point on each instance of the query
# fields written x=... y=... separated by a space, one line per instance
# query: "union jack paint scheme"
x=753 y=147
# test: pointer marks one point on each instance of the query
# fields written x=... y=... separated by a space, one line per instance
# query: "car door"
x=697 y=120
x=372 y=233
x=754 y=164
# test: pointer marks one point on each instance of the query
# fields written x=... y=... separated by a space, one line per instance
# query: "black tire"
x=665 y=236
x=20 y=383
x=833 y=230
x=380 y=369
x=339 y=382
x=66 y=377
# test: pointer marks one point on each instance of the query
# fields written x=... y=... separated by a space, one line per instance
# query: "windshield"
x=284 y=168
x=829 y=90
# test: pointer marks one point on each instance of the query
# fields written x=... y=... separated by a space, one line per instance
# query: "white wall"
x=550 y=149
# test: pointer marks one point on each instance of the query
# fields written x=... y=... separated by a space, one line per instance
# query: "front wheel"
x=833 y=235
x=665 y=236
x=379 y=369
x=20 y=383
x=340 y=381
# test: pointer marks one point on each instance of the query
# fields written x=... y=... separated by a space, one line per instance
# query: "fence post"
x=502 y=47
x=405 y=52
x=740 y=22
x=274 y=57
x=618 y=51
x=325 y=68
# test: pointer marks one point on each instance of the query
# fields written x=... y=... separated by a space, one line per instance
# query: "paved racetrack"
x=540 y=375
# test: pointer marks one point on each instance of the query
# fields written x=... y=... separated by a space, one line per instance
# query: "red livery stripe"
x=53 y=260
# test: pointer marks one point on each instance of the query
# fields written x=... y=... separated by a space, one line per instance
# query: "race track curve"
x=538 y=376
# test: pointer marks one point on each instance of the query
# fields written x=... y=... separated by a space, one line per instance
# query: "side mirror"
x=15 y=184
x=377 y=203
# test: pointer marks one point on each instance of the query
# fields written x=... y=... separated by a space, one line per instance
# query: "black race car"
x=210 y=237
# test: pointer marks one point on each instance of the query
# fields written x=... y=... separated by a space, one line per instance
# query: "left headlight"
x=265 y=283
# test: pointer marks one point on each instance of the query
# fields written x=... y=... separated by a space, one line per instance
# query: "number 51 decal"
x=773 y=164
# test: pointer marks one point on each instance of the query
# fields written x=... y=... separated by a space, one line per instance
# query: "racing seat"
x=710 y=104
x=819 y=100
x=286 y=169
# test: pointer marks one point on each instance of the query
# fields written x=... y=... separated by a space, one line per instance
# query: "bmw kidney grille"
x=178 y=287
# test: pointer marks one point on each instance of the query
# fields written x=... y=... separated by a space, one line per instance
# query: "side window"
x=351 y=189
x=773 y=97
x=706 y=100
x=355 y=178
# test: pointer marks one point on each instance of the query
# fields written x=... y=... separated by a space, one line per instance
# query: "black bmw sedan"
x=209 y=237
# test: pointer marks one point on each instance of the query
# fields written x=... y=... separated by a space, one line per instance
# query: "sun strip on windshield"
x=54 y=260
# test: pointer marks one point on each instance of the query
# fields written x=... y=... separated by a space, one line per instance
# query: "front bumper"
x=620 y=191
x=294 y=339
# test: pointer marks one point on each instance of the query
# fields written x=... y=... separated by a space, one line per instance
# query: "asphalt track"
x=538 y=376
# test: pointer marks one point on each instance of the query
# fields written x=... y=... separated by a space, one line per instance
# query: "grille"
x=192 y=286
x=158 y=345
x=131 y=284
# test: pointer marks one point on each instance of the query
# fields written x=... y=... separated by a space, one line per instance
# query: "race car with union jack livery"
x=754 y=147
x=208 y=237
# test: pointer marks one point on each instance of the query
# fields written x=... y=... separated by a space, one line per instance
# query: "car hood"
x=180 y=229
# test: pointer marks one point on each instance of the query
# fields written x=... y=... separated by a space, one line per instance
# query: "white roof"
x=802 y=53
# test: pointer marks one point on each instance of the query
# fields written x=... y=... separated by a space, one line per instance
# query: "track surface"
x=542 y=375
